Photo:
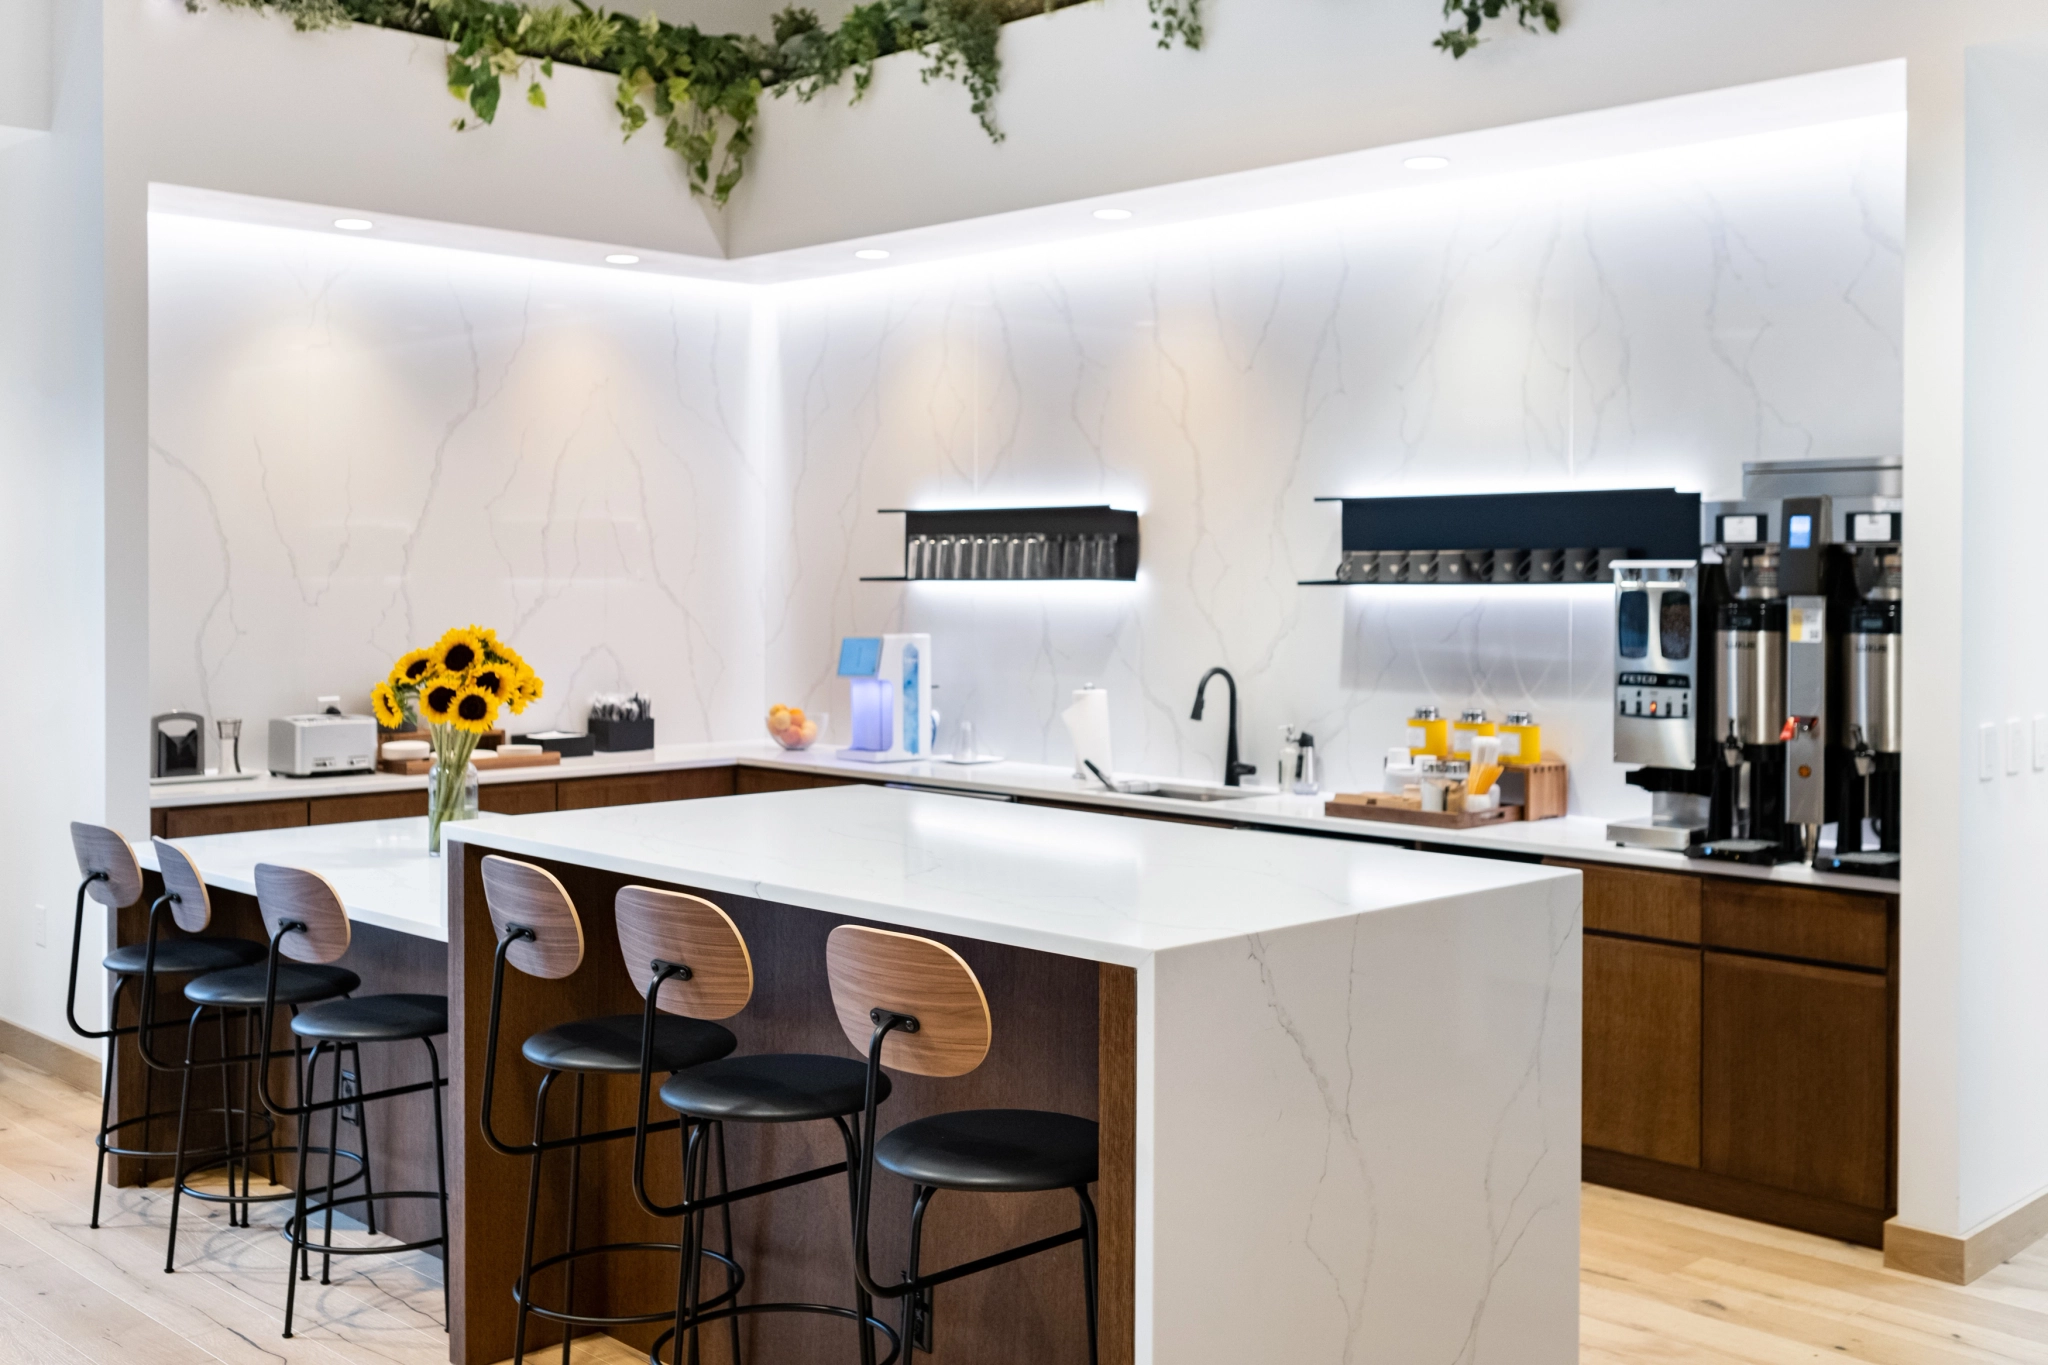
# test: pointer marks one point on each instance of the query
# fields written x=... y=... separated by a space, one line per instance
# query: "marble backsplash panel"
x=356 y=444
x=1648 y=321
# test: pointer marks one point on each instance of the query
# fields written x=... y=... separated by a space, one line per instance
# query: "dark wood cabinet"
x=752 y=780
x=1796 y=1077
x=1642 y=1049
x=516 y=798
x=634 y=789
x=1624 y=900
x=1798 y=922
x=190 y=822
x=342 y=810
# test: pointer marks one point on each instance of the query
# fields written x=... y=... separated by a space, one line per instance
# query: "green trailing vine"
x=705 y=89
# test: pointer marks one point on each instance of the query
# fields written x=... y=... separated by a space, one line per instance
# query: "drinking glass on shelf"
x=978 y=557
x=945 y=557
x=1070 y=556
x=1034 y=555
x=913 y=556
x=1103 y=551
x=1013 y=556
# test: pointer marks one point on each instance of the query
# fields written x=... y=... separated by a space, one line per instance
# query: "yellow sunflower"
x=437 y=698
x=459 y=652
x=413 y=668
x=384 y=703
x=475 y=710
x=526 y=690
x=496 y=680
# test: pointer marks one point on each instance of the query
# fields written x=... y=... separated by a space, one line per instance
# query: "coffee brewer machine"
x=1805 y=665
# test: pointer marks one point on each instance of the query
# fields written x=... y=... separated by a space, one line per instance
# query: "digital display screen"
x=860 y=657
x=1799 y=532
x=1742 y=530
x=1871 y=528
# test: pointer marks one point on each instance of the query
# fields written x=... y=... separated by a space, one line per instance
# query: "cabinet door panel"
x=1642 y=1049
x=1797 y=1077
x=752 y=780
x=632 y=789
x=516 y=798
x=341 y=810
x=1798 y=921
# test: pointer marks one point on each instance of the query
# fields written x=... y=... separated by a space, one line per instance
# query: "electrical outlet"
x=1987 y=751
x=350 y=1088
x=42 y=926
x=2015 y=746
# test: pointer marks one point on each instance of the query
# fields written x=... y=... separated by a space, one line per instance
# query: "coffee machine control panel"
x=1654 y=696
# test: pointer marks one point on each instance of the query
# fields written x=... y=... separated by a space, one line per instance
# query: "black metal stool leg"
x=333 y=1160
x=363 y=1142
x=922 y=1201
x=441 y=1172
x=227 y=1101
x=569 y=1245
x=178 y=1160
x=863 y=1302
x=99 y=1166
x=297 y=1226
x=540 y=1131
x=732 y=1323
x=1088 y=1266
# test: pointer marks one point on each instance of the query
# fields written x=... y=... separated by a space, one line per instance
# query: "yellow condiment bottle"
x=1429 y=733
x=1470 y=724
x=1521 y=739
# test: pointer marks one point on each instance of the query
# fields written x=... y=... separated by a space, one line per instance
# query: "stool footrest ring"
x=733 y=1268
x=306 y=1243
x=827 y=1309
x=229 y=1160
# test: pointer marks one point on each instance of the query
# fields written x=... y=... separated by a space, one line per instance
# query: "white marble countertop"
x=1581 y=837
x=1052 y=880
x=381 y=868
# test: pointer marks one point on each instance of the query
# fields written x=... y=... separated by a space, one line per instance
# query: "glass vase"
x=451 y=795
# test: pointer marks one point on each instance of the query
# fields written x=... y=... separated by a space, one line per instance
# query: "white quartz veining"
x=380 y=868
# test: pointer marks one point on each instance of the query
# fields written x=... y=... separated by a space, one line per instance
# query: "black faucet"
x=1232 y=769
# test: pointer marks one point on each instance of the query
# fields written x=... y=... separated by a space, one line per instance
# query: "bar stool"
x=308 y=923
x=111 y=876
x=915 y=1005
x=540 y=934
x=232 y=991
x=687 y=957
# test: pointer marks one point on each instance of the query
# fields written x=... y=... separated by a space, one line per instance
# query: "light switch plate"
x=2015 y=746
x=1987 y=751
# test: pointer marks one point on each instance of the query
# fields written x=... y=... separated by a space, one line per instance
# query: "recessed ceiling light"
x=1426 y=163
x=1112 y=215
x=872 y=253
x=354 y=224
x=622 y=258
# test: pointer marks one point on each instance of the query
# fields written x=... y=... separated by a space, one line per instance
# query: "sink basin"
x=1191 y=791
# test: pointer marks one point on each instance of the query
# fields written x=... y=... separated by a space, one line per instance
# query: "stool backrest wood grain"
x=191 y=907
x=533 y=898
x=673 y=926
x=878 y=969
x=293 y=893
x=100 y=849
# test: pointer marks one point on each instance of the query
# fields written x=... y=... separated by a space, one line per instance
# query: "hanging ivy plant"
x=705 y=89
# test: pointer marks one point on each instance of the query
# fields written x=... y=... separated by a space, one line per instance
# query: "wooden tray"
x=484 y=761
x=1434 y=819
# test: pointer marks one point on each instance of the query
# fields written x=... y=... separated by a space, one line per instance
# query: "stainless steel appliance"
x=322 y=745
x=1746 y=813
x=177 y=744
x=1864 y=758
x=1657 y=697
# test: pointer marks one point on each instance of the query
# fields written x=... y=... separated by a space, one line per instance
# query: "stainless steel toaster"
x=317 y=745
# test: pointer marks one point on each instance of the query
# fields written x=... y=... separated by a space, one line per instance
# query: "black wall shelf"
x=1021 y=521
x=1651 y=523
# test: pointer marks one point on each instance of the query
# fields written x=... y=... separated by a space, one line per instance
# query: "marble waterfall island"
x=1338 y=1082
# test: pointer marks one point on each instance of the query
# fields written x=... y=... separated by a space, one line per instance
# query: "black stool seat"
x=789 y=1087
x=186 y=957
x=242 y=987
x=612 y=1044
x=1009 y=1150
x=374 y=1019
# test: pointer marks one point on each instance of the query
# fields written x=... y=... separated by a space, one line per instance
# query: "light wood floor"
x=1659 y=1284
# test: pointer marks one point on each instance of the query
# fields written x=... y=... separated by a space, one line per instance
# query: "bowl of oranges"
x=790 y=727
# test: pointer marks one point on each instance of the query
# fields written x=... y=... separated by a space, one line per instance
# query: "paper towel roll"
x=1088 y=726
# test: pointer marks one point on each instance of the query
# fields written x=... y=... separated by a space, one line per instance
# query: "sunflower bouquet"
x=456 y=687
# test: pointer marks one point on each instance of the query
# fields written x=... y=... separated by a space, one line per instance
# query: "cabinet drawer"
x=1642 y=1049
x=632 y=789
x=752 y=780
x=1795 y=921
x=190 y=822
x=1796 y=1078
x=341 y=810
x=516 y=798
x=1621 y=900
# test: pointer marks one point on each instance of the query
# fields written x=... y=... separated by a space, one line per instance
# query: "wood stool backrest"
x=877 y=969
x=191 y=906
x=671 y=926
x=293 y=893
x=522 y=896
x=102 y=850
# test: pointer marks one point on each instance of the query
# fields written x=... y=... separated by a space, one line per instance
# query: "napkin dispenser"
x=320 y=745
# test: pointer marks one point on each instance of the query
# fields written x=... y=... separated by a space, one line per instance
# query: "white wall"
x=25 y=60
x=355 y=445
x=53 y=601
x=1642 y=322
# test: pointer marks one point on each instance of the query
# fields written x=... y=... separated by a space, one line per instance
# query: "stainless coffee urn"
x=1864 y=756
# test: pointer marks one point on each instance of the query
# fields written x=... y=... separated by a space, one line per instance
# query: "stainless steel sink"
x=1190 y=791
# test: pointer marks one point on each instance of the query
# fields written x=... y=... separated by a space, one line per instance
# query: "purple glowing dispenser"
x=874 y=714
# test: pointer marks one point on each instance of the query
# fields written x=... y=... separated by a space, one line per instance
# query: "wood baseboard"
x=1742 y=1198
x=1960 y=1260
x=67 y=1064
